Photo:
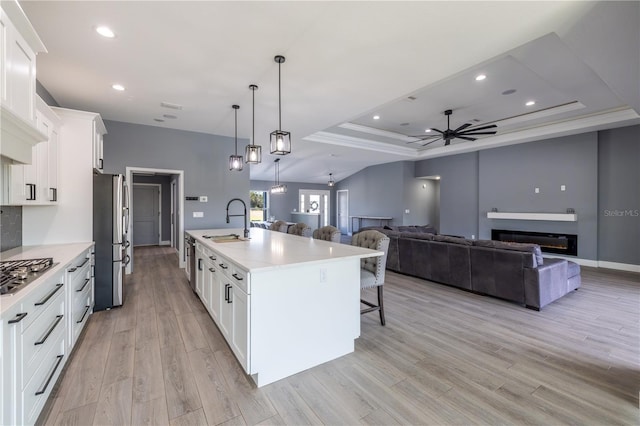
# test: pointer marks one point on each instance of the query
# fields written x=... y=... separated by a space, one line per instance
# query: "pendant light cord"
x=236 y=134
x=279 y=98
x=253 y=118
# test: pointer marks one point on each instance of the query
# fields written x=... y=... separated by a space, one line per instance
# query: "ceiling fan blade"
x=435 y=140
x=439 y=131
x=466 y=138
x=464 y=126
x=472 y=133
x=489 y=126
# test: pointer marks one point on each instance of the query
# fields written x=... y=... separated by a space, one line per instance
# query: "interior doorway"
x=316 y=201
x=177 y=207
x=342 y=211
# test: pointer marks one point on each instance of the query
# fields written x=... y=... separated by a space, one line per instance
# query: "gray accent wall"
x=281 y=205
x=458 y=192
x=619 y=195
x=165 y=203
x=204 y=158
x=509 y=175
x=45 y=95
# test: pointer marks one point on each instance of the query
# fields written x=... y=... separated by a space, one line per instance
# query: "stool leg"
x=381 y=305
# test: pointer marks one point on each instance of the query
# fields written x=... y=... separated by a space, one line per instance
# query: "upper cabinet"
x=98 y=148
x=20 y=44
x=37 y=182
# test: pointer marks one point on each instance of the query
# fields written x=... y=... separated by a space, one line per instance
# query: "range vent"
x=170 y=105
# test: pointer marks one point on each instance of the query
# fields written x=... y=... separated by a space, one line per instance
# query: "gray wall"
x=45 y=95
x=619 y=195
x=204 y=158
x=509 y=175
x=281 y=205
x=165 y=204
x=458 y=192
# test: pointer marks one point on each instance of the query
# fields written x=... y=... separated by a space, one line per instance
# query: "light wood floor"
x=445 y=357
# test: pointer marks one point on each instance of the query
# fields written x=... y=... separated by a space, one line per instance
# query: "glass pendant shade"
x=280 y=141
x=253 y=152
x=331 y=181
x=235 y=161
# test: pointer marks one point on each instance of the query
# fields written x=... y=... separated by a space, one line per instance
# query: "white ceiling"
x=345 y=62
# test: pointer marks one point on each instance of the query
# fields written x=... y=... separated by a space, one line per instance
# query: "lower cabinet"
x=223 y=291
x=80 y=297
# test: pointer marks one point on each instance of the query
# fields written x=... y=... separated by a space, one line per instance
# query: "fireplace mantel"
x=558 y=217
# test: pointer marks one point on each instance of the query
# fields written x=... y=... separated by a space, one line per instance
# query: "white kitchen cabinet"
x=98 y=145
x=80 y=294
x=35 y=350
x=37 y=183
x=20 y=44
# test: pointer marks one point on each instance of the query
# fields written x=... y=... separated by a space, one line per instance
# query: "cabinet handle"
x=54 y=194
x=223 y=266
x=83 y=263
x=53 y=327
x=32 y=191
x=18 y=318
x=86 y=281
x=53 y=373
x=93 y=271
x=84 y=314
x=212 y=257
x=226 y=292
x=211 y=270
x=236 y=277
x=73 y=269
x=199 y=264
x=101 y=162
x=229 y=295
x=46 y=299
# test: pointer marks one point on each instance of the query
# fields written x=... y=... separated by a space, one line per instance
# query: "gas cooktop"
x=16 y=274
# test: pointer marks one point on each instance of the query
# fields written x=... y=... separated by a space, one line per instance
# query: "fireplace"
x=548 y=242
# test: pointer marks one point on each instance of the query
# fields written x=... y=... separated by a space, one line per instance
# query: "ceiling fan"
x=459 y=133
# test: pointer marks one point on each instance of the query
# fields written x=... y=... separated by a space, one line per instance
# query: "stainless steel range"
x=16 y=274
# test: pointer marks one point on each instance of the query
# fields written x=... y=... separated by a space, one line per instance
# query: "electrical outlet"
x=537 y=190
x=563 y=188
x=203 y=199
x=323 y=275
x=198 y=214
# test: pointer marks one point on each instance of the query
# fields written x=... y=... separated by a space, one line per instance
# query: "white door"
x=316 y=201
x=146 y=215
x=343 y=211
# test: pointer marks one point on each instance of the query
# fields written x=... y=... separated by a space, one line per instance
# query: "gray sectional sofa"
x=510 y=271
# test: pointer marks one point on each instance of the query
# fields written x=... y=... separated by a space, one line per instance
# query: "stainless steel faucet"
x=246 y=229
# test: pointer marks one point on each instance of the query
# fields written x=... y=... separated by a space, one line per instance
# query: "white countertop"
x=267 y=249
x=62 y=254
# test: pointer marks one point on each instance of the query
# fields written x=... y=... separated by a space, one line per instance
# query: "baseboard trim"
x=579 y=261
x=165 y=243
x=619 y=266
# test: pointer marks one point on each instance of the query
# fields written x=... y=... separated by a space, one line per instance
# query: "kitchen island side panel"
x=302 y=316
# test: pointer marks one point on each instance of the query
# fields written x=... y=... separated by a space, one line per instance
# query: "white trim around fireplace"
x=560 y=217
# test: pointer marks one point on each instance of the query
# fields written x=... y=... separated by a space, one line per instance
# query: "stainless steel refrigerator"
x=110 y=225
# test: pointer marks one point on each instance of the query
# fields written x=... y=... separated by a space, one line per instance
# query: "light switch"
x=203 y=199
x=563 y=188
x=198 y=214
x=537 y=190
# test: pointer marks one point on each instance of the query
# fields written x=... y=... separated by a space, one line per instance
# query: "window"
x=258 y=205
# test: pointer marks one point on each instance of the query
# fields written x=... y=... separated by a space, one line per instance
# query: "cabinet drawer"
x=79 y=266
x=223 y=265
x=40 y=299
x=37 y=390
x=40 y=336
x=239 y=277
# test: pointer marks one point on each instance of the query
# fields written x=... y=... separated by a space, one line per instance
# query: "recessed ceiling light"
x=105 y=32
x=530 y=103
x=118 y=87
x=427 y=130
x=480 y=77
x=376 y=117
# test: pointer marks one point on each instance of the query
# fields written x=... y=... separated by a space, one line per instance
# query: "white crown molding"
x=378 y=132
x=360 y=143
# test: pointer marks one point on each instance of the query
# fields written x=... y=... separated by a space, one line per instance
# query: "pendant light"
x=331 y=181
x=280 y=141
x=235 y=161
x=253 y=152
x=278 y=188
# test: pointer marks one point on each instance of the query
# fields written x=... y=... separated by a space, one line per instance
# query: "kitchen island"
x=284 y=303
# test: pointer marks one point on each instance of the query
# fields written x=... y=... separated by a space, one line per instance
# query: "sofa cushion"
x=417 y=235
x=573 y=269
x=454 y=240
x=504 y=245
